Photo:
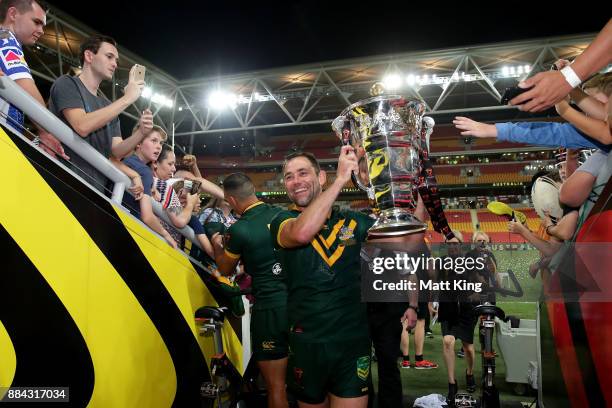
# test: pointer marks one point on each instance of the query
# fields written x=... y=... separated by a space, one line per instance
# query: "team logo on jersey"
x=363 y=367
x=277 y=268
x=268 y=345
x=12 y=57
x=346 y=233
x=343 y=234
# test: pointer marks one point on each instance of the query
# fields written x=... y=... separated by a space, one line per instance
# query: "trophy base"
x=395 y=222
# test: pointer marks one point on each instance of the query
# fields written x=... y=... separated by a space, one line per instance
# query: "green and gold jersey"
x=323 y=278
x=249 y=239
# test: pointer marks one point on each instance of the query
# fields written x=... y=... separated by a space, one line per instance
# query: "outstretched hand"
x=470 y=127
x=547 y=89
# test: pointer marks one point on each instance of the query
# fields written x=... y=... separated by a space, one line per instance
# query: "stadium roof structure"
x=306 y=98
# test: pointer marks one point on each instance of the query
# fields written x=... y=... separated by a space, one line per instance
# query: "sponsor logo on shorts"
x=277 y=268
x=363 y=367
x=268 y=345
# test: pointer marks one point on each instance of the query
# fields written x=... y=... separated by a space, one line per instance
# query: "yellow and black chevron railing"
x=91 y=299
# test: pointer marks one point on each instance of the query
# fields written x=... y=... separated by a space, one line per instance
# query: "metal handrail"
x=18 y=97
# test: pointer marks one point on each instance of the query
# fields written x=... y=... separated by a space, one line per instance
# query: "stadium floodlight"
x=505 y=71
x=527 y=68
x=147 y=92
x=392 y=81
x=261 y=98
x=411 y=80
x=219 y=100
x=162 y=100
x=157 y=98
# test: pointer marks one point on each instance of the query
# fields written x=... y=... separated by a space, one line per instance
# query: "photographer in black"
x=488 y=275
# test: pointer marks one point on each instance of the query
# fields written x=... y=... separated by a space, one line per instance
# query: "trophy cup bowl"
x=390 y=130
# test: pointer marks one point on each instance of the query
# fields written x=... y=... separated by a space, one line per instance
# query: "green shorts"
x=269 y=329
x=340 y=368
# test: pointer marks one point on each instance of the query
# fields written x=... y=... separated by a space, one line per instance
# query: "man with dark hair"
x=329 y=361
x=22 y=24
x=239 y=185
x=93 y=44
x=308 y=156
x=75 y=101
x=248 y=239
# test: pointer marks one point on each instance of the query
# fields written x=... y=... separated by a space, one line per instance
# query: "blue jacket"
x=547 y=134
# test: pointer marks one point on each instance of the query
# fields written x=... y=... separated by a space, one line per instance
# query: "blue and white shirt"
x=14 y=66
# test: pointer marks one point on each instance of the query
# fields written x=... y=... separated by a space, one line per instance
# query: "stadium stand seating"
x=326 y=145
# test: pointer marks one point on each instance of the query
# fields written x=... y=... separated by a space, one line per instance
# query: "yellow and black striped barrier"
x=90 y=299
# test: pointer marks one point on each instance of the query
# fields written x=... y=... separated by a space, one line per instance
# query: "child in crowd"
x=146 y=152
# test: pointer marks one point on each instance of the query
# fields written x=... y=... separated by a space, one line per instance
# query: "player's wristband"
x=415 y=308
x=571 y=77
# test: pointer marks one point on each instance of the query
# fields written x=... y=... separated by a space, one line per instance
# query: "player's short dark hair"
x=22 y=5
x=309 y=156
x=93 y=44
x=238 y=185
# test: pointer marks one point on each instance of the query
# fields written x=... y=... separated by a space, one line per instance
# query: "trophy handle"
x=341 y=125
x=428 y=123
x=361 y=186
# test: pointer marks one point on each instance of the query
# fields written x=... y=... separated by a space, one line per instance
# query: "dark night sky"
x=190 y=39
